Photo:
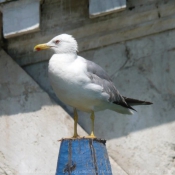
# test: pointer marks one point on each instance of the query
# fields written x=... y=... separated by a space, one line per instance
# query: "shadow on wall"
x=143 y=69
x=19 y=93
x=117 y=125
x=137 y=79
x=39 y=72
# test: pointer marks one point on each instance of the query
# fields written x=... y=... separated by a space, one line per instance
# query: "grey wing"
x=95 y=69
x=98 y=76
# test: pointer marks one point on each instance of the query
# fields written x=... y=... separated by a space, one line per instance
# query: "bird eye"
x=57 y=41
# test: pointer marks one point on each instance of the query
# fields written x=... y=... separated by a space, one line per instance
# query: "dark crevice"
x=3 y=41
x=127 y=51
x=93 y=156
x=152 y=86
x=70 y=166
x=158 y=12
x=131 y=8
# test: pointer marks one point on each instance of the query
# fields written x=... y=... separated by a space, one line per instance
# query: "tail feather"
x=135 y=102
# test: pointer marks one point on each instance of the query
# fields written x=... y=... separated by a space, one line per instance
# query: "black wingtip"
x=147 y=103
x=133 y=102
x=124 y=104
x=131 y=108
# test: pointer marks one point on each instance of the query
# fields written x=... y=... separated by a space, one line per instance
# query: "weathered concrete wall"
x=144 y=69
x=30 y=124
x=136 y=47
x=143 y=143
x=141 y=18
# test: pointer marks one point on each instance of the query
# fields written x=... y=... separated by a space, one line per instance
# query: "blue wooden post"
x=83 y=157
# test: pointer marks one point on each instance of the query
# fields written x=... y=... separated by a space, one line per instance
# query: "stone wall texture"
x=31 y=124
x=137 y=49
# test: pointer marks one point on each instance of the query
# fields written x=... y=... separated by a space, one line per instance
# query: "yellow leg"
x=75 y=124
x=92 y=136
x=75 y=136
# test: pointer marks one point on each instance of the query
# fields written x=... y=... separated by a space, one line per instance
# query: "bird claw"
x=92 y=136
x=79 y=137
x=71 y=138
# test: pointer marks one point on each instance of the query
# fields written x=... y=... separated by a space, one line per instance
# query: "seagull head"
x=63 y=43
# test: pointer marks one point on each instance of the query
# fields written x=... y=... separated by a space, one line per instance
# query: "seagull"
x=81 y=83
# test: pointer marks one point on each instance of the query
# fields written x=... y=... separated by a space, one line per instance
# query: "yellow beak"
x=41 y=47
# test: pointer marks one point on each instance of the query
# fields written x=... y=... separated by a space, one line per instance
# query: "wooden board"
x=83 y=156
